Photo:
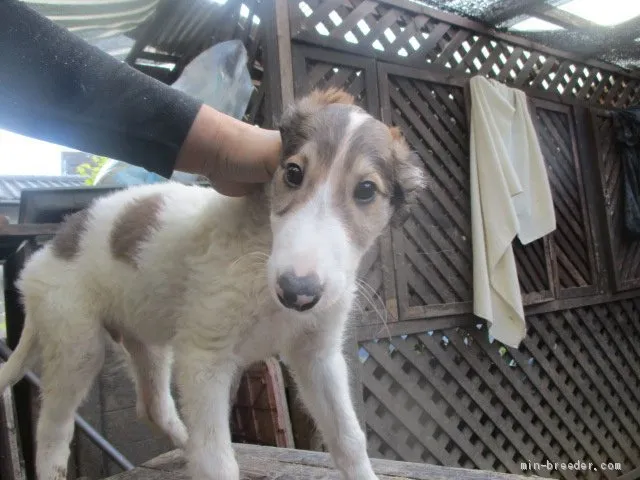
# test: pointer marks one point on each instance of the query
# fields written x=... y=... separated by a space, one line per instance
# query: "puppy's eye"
x=293 y=175
x=365 y=192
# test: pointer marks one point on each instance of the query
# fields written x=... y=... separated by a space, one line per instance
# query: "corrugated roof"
x=96 y=19
x=12 y=185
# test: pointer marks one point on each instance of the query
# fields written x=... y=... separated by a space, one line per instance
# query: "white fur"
x=202 y=293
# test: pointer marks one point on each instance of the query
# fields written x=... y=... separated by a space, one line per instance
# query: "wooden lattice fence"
x=451 y=397
x=434 y=387
x=407 y=33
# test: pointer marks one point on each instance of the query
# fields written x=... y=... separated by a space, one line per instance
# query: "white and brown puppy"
x=218 y=283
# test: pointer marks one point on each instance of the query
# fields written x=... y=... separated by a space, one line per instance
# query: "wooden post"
x=278 y=65
x=11 y=461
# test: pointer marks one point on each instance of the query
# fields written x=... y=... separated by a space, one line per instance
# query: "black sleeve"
x=56 y=87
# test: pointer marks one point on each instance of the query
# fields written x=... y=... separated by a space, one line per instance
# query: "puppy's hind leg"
x=152 y=371
x=68 y=370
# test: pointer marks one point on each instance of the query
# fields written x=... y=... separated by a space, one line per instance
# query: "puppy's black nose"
x=299 y=293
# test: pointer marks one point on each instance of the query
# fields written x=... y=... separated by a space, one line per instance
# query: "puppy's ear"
x=293 y=125
x=322 y=98
x=409 y=178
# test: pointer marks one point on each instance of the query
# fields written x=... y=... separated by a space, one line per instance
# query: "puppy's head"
x=343 y=176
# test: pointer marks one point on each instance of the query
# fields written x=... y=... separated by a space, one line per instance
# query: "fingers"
x=235 y=156
x=235 y=189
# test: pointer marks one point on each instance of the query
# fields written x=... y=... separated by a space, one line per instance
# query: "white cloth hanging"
x=510 y=195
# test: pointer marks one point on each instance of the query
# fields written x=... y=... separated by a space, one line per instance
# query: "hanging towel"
x=627 y=126
x=510 y=195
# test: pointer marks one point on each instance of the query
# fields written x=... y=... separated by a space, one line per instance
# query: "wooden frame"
x=588 y=229
x=610 y=203
x=397 y=237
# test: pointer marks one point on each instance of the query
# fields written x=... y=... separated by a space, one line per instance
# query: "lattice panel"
x=625 y=253
x=433 y=250
x=406 y=36
x=534 y=276
x=316 y=68
x=324 y=75
x=572 y=238
x=570 y=392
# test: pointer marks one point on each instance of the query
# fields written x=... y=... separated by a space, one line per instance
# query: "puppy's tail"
x=21 y=359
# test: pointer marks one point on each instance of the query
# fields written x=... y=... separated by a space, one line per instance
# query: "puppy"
x=217 y=283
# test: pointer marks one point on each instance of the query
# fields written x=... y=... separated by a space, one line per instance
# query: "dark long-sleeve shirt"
x=56 y=87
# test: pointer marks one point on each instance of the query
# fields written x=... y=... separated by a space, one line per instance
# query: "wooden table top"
x=269 y=463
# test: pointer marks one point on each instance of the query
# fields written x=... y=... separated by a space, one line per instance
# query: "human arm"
x=57 y=88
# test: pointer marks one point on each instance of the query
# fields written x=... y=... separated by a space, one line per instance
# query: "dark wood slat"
x=350 y=22
x=436 y=35
x=452 y=106
x=492 y=59
x=455 y=129
x=436 y=279
x=427 y=136
x=340 y=78
x=472 y=54
x=408 y=349
x=549 y=397
x=388 y=401
x=600 y=380
x=571 y=269
x=511 y=64
x=522 y=78
x=530 y=270
x=320 y=14
x=559 y=74
x=543 y=73
x=630 y=307
x=434 y=124
x=456 y=207
x=454 y=44
x=588 y=85
x=456 y=249
x=445 y=423
x=601 y=347
x=413 y=29
x=629 y=350
x=584 y=389
x=457 y=283
x=481 y=369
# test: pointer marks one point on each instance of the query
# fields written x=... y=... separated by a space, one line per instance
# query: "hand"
x=235 y=156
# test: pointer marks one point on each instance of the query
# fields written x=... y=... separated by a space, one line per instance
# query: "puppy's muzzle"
x=299 y=293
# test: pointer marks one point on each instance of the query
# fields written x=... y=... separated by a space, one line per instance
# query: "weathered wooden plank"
x=259 y=463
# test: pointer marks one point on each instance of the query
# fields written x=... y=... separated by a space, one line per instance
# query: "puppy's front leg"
x=204 y=379
x=322 y=378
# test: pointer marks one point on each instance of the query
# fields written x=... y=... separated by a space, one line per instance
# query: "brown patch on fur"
x=66 y=243
x=133 y=227
x=396 y=133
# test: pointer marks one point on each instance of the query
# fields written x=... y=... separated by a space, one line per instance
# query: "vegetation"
x=91 y=168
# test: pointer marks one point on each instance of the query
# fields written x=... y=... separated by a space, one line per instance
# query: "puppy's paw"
x=215 y=467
